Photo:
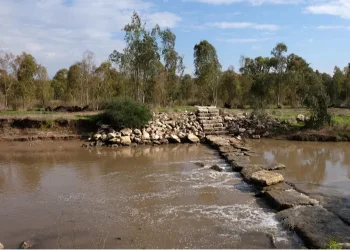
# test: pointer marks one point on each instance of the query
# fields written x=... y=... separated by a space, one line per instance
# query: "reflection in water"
x=65 y=196
x=316 y=165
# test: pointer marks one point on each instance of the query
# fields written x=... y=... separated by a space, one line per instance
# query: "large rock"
x=137 y=132
x=266 y=178
x=300 y=118
x=97 y=137
x=145 y=136
x=192 y=138
x=174 y=139
x=111 y=136
x=315 y=225
x=248 y=171
x=125 y=140
x=284 y=199
x=26 y=244
x=126 y=132
x=217 y=168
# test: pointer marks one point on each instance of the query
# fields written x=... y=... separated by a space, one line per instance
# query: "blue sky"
x=57 y=32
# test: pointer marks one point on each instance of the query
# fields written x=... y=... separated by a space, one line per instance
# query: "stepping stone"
x=266 y=178
x=315 y=225
x=284 y=199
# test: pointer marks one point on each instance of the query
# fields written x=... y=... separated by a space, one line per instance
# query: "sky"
x=57 y=32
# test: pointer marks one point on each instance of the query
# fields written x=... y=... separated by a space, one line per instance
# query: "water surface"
x=64 y=196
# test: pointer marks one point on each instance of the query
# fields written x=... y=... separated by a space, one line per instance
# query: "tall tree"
x=173 y=63
x=279 y=62
x=229 y=87
x=59 y=84
x=43 y=88
x=139 y=60
x=207 y=70
x=8 y=76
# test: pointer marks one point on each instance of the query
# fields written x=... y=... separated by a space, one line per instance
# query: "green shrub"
x=125 y=113
x=333 y=244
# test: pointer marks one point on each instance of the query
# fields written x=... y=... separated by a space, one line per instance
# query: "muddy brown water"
x=61 y=195
x=314 y=167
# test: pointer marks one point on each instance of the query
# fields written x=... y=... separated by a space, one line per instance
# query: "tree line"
x=151 y=71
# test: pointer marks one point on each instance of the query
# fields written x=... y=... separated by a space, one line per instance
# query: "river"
x=62 y=196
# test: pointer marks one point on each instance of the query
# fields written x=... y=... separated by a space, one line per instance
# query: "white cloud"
x=339 y=8
x=243 y=25
x=333 y=27
x=242 y=40
x=253 y=2
x=57 y=34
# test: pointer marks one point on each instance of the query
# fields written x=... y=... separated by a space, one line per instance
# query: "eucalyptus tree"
x=258 y=71
x=279 y=62
x=43 y=90
x=26 y=67
x=295 y=77
x=139 y=60
x=59 y=84
x=173 y=64
x=229 y=87
x=7 y=75
x=207 y=70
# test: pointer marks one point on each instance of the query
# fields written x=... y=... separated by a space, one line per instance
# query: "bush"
x=125 y=113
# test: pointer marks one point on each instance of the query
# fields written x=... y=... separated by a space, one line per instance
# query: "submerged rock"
x=26 y=244
x=266 y=178
x=257 y=240
x=275 y=166
x=216 y=168
x=315 y=225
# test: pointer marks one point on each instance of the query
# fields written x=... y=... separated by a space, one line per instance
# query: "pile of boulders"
x=251 y=126
x=163 y=129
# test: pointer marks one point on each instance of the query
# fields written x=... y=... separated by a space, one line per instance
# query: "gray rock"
x=266 y=178
x=248 y=171
x=111 y=136
x=300 y=118
x=257 y=240
x=216 y=168
x=137 y=140
x=26 y=244
x=345 y=245
x=164 y=141
x=137 y=132
x=315 y=225
x=114 y=141
x=174 y=139
x=125 y=140
x=274 y=166
x=278 y=187
x=97 y=137
x=145 y=136
x=126 y=132
x=192 y=138
x=284 y=199
x=104 y=137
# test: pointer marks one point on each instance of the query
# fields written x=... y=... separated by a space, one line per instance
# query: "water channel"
x=64 y=196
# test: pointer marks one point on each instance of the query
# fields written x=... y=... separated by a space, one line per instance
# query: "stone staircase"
x=211 y=121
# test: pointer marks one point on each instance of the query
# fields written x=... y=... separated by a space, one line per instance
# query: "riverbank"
x=279 y=124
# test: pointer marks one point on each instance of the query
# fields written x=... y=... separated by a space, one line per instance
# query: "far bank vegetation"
x=151 y=71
